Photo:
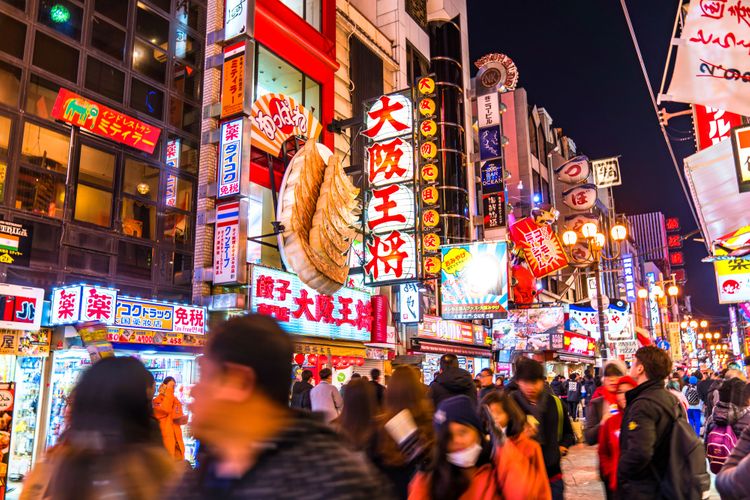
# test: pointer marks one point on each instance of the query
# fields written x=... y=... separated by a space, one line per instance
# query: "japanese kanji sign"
x=628 y=271
x=733 y=280
x=299 y=309
x=276 y=118
x=741 y=144
x=673 y=224
x=389 y=116
x=581 y=197
x=410 y=305
x=488 y=110
x=238 y=18
x=713 y=125
x=104 y=121
x=81 y=303
x=140 y=314
x=390 y=258
x=15 y=243
x=230 y=242
x=231 y=146
x=577 y=343
x=20 y=307
x=173 y=161
x=541 y=246
x=390 y=161
x=574 y=171
x=474 y=281
x=607 y=172
x=585 y=319
x=391 y=208
x=236 y=92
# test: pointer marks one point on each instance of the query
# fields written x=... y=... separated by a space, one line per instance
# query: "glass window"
x=277 y=76
x=40 y=193
x=191 y=13
x=18 y=4
x=10 y=83
x=117 y=11
x=184 y=116
x=45 y=241
x=45 y=148
x=312 y=96
x=186 y=47
x=187 y=81
x=149 y=61
x=96 y=167
x=162 y=4
x=93 y=206
x=309 y=10
x=40 y=96
x=55 y=57
x=107 y=38
x=5 y=127
x=138 y=219
x=184 y=194
x=134 y=261
x=140 y=179
x=104 y=79
x=3 y=179
x=177 y=228
x=147 y=99
x=152 y=27
x=188 y=155
x=62 y=16
x=14 y=36
x=182 y=268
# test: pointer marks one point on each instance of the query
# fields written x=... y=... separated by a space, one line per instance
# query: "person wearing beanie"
x=604 y=399
x=695 y=405
x=469 y=465
x=609 y=437
x=548 y=417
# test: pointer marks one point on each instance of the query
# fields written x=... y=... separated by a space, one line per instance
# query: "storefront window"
x=149 y=61
x=62 y=16
x=186 y=81
x=116 y=11
x=14 y=36
x=140 y=179
x=40 y=96
x=55 y=57
x=277 y=76
x=107 y=38
x=40 y=193
x=10 y=83
x=45 y=241
x=189 y=12
x=93 y=206
x=152 y=27
x=45 y=148
x=134 y=261
x=5 y=127
x=177 y=228
x=94 y=192
x=138 y=218
x=184 y=194
x=147 y=99
x=309 y=10
x=104 y=79
x=312 y=96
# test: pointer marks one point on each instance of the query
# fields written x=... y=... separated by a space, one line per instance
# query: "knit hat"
x=627 y=380
x=692 y=380
x=459 y=409
x=615 y=365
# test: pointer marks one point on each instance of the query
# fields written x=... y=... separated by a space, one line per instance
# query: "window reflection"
x=309 y=10
x=177 y=228
x=184 y=194
x=14 y=36
x=138 y=219
x=186 y=47
x=40 y=96
x=186 y=80
x=107 y=38
x=55 y=57
x=189 y=12
x=62 y=16
x=152 y=27
x=134 y=260
x=45 y=148
x=93 y=206
x=5 y=125
x=40 y=193
x=140 y=179
x=278 y=76
x=147 y=99
x=96 y=167
x=149 y=61
x=10 y=83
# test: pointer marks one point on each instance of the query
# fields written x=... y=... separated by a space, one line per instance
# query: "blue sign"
x=492 y=177
x=489 y=143
x=628 y=271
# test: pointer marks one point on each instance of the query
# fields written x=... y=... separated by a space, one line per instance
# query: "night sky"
x=575 y=58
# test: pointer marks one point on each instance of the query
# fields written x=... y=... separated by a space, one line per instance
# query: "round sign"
x=428 y=150
x=427 y=107
x=430 y=195
x=430 y=218
x=6 y=400
x=429 y=172
x=431 y=265
x=430 y=242
x=426 y=85
x=428 y=128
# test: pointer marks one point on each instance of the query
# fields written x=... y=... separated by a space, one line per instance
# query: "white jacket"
x=325 y=398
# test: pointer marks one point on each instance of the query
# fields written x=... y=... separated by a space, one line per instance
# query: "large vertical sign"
x=236 y=90
x=628 y=271
x=230 y=242
x=409 y=302
x=238 y=18
x=230 y=159
x=391 y=251
x=713 y=125
x=173 y=161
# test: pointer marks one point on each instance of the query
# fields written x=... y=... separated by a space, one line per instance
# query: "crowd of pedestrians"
x=657 y=430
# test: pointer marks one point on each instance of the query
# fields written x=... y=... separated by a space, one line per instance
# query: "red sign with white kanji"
x=674 y=241
x=104 y=121
x=541 y=246
x=713 y=125
x=676 y=259
x=391 y=257
x=673 y=224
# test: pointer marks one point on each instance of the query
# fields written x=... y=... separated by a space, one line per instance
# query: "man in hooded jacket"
x=451 y=381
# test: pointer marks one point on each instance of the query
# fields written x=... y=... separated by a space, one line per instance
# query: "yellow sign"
x=430 y=218
x=233 y=80
x=431 y=265
x=428 y=128
x=430 y=242
x=430 y=195
x=428 y=150
x=429 y=172
x=427 y=107
x=426 y=86
x=455 y=260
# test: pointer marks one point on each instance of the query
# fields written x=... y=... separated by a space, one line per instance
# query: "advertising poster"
x=15 y=243
x=20 y=307
x=7 y=399
x=733 y=280
x=541 y=246
x=530 y=329
x=585 y=319
x=474 y=281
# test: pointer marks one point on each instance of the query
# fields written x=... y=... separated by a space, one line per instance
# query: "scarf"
x=609 y=397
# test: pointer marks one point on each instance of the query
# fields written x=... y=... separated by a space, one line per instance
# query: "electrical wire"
x=656 y=110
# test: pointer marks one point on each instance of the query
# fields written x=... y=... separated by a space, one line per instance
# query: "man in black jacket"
x=547 y=415
x=301 y=392
x=646 y=427
x=451 y=381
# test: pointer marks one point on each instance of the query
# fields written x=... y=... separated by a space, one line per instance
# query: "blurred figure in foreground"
x=604 y=400
x=325 y=398
x=452 y=381
x=609 y=439
x=168 y=411
x=107 y=450
x=468 y=466
x=257 y=447
x=301 y=392
x=356 y=423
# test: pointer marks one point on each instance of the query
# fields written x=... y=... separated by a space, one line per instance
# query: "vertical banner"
x=713 y=125
x=237 y=71
x=233 y=156
x=173 y=161
x=230 y=242
x=629 y=273
x=7 y=400
x=493 y=194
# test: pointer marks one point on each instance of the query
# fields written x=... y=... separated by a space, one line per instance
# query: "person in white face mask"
x=469 y=464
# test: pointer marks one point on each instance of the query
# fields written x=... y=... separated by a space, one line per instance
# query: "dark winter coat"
x=307 y=460
x=590 y=385
x=728 y=414
x=546 y=413
x=594 y=412
x=644 y=441
x=703 y=387
x=558 y=387
x=301 y=395
x=379 y=391
x=452 y=382
x=573 y=388
x=733 y=482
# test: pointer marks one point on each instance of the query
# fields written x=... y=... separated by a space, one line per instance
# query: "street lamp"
x=704 y=323
x=693 y=324
x=597 y=242
x=642 y=293
x=717 y=335
x=683 y=325
x=673 y=290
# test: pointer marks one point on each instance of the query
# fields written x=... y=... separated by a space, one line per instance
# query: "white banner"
x=713 y=62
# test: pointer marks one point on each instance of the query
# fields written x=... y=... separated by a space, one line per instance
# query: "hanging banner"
x=713 y=125
x=236 y=93
x=617 y=320
x=574 y=171
x=276 y=118
x=15 y=243
x=628 y=271
x=233 y=152
x=474 y=281
x=607 y=172
x=542 y=248
x=581 y=198
x=104 y=121
x=712 y=67
x=238 y=18
x=410 y=310
x=741 y=146
x=20 y=307
x=733 y=280
x=230 y=242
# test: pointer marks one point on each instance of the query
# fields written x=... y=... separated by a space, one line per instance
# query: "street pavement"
x=581 y=474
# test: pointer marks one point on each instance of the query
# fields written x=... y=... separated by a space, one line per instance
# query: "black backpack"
x=686 y=477
x=692 y=396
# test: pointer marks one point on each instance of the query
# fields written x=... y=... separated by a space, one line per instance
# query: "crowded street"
x=374 y=250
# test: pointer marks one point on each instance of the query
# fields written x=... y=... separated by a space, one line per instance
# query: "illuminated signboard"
x=15 y=243
x=585 y=319
x=581 y=197
x=452 y=331
x=300 y=310
x=230 y=159
x=230 y=242
x=82 y=303
x=410 y=305
x=733 y=280
x=474 y=282
x=577 y=343
x=173 y=161
x=141 y=314
x=277 y=117
x=104 y=121
x=629 y=272
x=238 y=15
x=20 y=307
x=574 y=171
x=713 y=125
x=741 y=145
x=236 y=93
x=389 y=116
x=607 y=172
x=541 y=246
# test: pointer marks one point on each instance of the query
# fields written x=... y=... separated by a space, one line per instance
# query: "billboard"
x=474 y=282
x=529 y=329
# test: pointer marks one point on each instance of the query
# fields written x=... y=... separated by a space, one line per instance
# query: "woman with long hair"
x=356 y=422
x=469 y=465
x=108 y=448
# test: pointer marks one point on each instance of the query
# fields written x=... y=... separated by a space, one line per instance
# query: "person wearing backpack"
x=695 y=405
x=660 y=455
x=733 y=481
x=730 y=417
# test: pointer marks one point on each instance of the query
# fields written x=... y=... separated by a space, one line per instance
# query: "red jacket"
x=609 y=449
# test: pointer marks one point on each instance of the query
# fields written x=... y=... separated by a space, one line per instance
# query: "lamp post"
x=596 y=243
x=657 y=290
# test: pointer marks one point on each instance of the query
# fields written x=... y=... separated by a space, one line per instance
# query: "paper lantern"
x=299 y=358
x=312 y=359
x=322 y=359
x=336 y=360
x=360 y=361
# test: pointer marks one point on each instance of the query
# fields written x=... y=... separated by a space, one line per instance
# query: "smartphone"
x=401 y=427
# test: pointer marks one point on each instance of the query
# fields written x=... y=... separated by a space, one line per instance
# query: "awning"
x=712 y=178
